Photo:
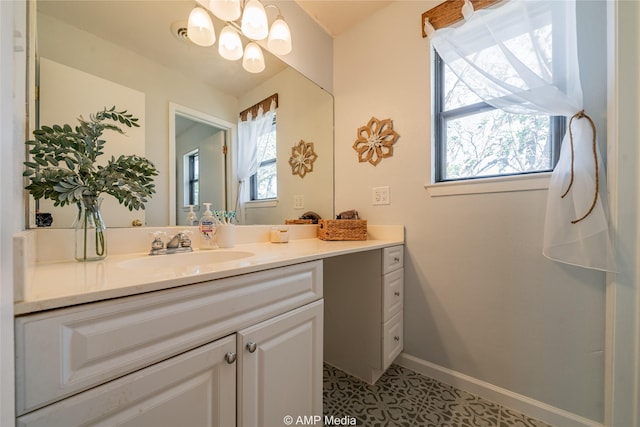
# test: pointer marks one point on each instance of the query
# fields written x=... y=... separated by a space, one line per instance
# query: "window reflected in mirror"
x=264 y=183
x=192 y=183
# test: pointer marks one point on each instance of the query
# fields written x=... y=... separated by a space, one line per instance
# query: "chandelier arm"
x=273 y=5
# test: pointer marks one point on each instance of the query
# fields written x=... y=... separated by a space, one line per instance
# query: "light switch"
x=380 y=196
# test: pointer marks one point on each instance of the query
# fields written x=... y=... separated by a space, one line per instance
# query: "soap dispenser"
x=192 y=219
x=207 y=229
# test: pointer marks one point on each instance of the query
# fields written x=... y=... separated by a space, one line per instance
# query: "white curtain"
x=522 y=57
x=249 y=156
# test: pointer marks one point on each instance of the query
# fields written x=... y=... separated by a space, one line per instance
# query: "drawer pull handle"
x=396 y=338
x=397 y=293
x=230 y=357
x=396 y=259
x=251 y=346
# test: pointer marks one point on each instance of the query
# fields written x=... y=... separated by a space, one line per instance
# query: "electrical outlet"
x=298 y=201
x=380 y=196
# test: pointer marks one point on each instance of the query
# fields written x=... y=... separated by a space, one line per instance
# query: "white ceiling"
x=337 y=16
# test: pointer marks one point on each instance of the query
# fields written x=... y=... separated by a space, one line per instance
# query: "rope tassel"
x=579 y=115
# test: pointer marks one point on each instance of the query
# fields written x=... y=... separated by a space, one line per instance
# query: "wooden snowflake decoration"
x=375 y=141
x=302 y=158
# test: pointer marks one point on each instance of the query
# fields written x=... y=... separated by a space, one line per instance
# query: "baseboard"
x=531 y=407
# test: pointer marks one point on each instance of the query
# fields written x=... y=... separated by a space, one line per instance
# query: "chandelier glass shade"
x=227 y=10
x=253 y=24
x=230 y=45
x=200 y=28
x=253 y=59
x=254 y=21
x=279 y=37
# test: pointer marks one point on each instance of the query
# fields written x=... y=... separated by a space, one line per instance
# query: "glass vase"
x=90 y=230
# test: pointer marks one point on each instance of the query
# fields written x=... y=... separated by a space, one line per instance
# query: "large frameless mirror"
x=133 y=54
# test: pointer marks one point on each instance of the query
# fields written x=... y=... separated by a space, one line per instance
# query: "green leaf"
x=63 y=165
x=40 y=161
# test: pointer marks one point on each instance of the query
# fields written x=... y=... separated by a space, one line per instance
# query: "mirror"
x=137 y=47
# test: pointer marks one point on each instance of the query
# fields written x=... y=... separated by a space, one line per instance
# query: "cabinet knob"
x=230 y=357
x=396 y=259
x=397 y=293
x=396 y=338
x=251 y=346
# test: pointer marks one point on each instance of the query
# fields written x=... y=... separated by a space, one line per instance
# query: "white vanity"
x=236 y=342
x=364 y=300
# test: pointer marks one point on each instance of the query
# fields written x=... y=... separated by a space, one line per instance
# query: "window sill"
x=271 y=203
x=538 y=181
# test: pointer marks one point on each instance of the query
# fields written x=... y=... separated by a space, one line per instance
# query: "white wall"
x=312 y=47
x=480 y=298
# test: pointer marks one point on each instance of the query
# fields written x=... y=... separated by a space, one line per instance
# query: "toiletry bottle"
x=207 y=229
x=192 y=219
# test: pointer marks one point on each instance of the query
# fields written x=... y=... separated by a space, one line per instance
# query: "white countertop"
x=59 y=284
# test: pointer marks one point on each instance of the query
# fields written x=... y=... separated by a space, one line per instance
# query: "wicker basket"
x=298 y=221
x=342 y=229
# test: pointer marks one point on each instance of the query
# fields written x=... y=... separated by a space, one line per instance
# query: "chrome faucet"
x=179 y=243
x=180 y=240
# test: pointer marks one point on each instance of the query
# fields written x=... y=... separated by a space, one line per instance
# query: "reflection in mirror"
x=135 y=45
x=197 y=149
x=304 y=112
x=62 y=99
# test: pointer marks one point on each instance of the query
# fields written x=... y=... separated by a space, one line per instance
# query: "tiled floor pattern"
x=402 y=397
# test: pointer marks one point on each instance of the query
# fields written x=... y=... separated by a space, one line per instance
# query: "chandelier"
x=253 y=24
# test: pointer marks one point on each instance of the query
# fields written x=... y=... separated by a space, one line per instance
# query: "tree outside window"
x=474 y=139
x=264 y=183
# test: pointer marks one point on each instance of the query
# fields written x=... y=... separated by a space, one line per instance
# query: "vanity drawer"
x=392 y=259
x=393 y=294
x=65 y=351
x=392 y=340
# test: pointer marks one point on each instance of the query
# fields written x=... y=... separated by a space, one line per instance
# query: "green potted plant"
x=63 y=168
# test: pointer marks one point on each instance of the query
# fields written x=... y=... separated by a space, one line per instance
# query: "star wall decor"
x=375 y=141
x=302 y=158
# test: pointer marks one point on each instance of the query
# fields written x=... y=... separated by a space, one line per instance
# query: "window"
x=192 y=181
x=475 y=140
x=264 y=183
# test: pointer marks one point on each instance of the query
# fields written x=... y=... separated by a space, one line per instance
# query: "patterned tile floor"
x=402 y=397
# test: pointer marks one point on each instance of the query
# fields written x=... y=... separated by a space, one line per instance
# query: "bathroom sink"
x=190 y=260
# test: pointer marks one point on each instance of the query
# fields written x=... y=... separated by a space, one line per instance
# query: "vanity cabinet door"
x=195 y=389
x=280 y=368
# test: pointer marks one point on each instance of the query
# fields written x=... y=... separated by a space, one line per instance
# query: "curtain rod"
x=265 y=104
x=450 y=12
